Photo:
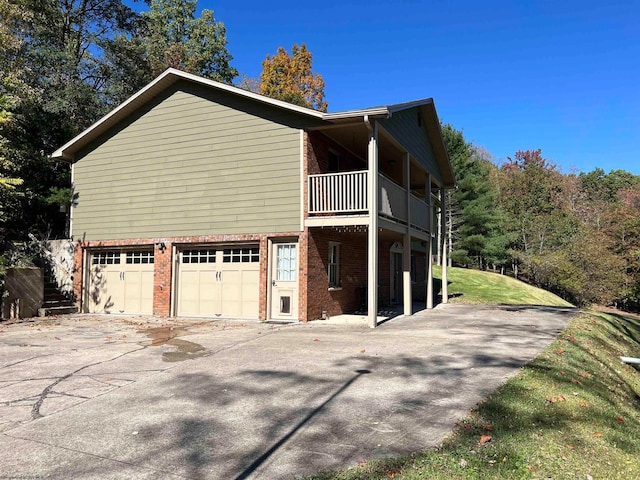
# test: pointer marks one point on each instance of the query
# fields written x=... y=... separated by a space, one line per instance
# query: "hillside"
x=477 y=287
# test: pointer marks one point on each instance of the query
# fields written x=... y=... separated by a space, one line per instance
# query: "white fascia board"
x=349 y=114
x=156 y=86
x=396 y=107
x=60 y=153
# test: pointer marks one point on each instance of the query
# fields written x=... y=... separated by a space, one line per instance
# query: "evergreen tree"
x=175 y=37
x=473 y=217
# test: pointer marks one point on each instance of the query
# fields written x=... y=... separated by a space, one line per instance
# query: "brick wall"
x=163 y=265
x=317 y=147
x=353 y=272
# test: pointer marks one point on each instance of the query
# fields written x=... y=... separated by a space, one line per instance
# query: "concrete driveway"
x=143 y=397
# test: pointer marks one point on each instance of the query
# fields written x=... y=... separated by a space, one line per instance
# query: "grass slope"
x=571 y=413
x=474 y=286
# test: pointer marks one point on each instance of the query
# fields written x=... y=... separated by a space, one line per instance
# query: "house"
x=199 y=199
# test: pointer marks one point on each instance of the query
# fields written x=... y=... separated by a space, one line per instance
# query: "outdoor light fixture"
x=161 y=246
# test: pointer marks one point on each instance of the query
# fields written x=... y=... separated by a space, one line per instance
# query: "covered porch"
x=362 y=174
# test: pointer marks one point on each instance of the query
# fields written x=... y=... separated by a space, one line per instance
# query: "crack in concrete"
x=25 y=360
x=17 y=400
x=35 y=410
x=65 y=394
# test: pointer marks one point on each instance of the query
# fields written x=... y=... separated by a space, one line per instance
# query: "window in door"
x=106 y=258
x=286 y=267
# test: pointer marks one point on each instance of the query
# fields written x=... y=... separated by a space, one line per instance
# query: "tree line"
x=576 y=234
x=66 y=63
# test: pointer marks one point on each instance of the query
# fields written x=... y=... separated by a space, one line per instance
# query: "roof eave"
x=167 y=78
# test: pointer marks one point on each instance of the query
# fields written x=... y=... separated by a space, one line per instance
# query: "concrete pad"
x=141 y=397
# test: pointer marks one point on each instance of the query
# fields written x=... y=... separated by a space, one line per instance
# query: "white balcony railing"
x=392 y=200
x=346 y=193
x=420 y=213
x=338 y=192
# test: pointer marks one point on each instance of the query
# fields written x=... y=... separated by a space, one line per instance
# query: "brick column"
x=78 y=274
x=162 y=260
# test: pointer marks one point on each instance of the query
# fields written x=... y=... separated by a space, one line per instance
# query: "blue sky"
x=560 y=75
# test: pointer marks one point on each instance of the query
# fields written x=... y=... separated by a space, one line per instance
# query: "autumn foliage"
x=290 y=78
x=577 y=235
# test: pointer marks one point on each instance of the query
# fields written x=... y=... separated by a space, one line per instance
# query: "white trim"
x=372 y=233
x=71 y=205
x=175 y=264
x=429 y=303
x=165 y=79
x=84 y=291
x=407 y=292
x=337 y=221
x=269 y=277
x=303 y=200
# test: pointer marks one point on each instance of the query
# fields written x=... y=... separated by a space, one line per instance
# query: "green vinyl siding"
x=191 y=165
x=412 y=135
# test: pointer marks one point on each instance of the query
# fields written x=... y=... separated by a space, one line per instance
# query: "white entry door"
x=284 y=281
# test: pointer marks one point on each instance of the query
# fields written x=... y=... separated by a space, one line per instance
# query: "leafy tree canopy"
x=175 y=37
x=290 y=78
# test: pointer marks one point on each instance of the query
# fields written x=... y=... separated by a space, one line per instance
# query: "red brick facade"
x=163 y=264
x=351 y=295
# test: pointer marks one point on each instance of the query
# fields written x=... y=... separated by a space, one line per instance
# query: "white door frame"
x=271 y=283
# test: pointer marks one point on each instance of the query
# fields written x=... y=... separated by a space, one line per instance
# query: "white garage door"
x=120 y=282
x=219 y=282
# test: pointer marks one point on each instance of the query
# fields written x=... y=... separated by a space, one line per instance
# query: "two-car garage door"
x=218 y=282
x=211 y=281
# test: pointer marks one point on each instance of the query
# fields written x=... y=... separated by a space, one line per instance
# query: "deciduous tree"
x=290 y=78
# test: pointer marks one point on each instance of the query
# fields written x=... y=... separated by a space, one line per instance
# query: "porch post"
x=406 y=243
x=406 y=274
x=445 y=286
x=430 y=275
x=427 y=191
x=372 y=268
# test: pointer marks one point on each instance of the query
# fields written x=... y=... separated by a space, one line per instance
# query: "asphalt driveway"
x=143 y=397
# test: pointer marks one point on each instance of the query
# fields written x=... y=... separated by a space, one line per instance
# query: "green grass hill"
x=477 y=287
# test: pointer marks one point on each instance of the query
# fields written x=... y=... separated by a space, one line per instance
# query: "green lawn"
x=474 y=286
x=571 y=413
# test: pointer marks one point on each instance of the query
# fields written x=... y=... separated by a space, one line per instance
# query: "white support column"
x=427 y=192
x=372 y=275
x=443 y=209
x=430 y=275
x=406 y=243
x=406 y=274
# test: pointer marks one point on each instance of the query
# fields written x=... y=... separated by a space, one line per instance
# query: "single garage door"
x=121 y=282
x=219 y=282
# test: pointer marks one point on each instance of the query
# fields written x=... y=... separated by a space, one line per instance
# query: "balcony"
x=345 y=194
